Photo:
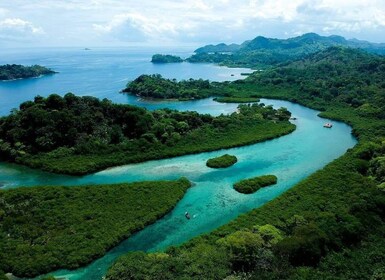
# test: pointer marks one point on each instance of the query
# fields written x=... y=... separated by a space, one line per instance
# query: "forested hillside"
x=262 y=52
x=329 y=226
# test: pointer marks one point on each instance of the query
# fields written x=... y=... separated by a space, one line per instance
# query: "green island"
x=222 y=161
x=157 y=87
x=251 y=185
x=14 y=71
x=161 y=58
x=328 y=226
x=80 y=135
x=43 y=229
x=262 y=52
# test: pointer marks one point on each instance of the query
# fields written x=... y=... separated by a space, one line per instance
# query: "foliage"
x=222 y=161
x=331 y=223
x=236 y=99
x=262 y=52
x=12 y=72
x=79 y=135
x=251 y=185
x=365 y=261
x=155 y=86
x=160 y=58
x=46 y=228
x=202 y=262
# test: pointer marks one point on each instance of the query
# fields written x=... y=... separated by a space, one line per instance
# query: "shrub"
x=222 y=161
x=248 y=186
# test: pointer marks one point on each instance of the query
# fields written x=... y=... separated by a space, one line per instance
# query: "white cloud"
x=16 y=29
x=194 y=21
x=19 y=25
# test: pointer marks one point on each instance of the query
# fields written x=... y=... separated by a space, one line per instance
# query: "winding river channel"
x=212 y=201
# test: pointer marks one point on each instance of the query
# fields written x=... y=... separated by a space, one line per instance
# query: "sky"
x=91 y=23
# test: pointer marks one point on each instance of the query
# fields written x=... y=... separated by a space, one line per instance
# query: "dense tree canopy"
x=262 y=52
x=251 y=185
x=78 y=135
x=12 y=72
x=222 y=161
x=155 y=86
x=46 y=228
x=160 y=58
x=329 y=226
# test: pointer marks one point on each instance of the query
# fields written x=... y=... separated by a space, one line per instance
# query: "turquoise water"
x=212 y=201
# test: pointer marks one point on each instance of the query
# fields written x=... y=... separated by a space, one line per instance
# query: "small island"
x=162 y=58
x=251 y=185
x=157 y=87
x=222 y=161
x=13 y=72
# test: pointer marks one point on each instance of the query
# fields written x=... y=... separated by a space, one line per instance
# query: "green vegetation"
x=155 y=86
x=160 y=58
x=13 y=72
x=46 y=228
x=236 y=99
x=80 y=135
x=330 y=225
x=262 y=52
x=251 y=185
x=222 y=161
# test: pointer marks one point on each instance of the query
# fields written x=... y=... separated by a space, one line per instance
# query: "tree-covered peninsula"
x=43 y=229
x=330 y=225
x=166 y=58
x=14 y=71
x=79 y=135
x=155 y=86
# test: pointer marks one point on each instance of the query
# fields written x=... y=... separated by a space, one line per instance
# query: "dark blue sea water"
x=101 y=73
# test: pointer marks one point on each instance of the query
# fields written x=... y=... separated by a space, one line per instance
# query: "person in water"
x=187 y=215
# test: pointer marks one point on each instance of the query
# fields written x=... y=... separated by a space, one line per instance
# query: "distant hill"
x=263 y=52
x=219 y=48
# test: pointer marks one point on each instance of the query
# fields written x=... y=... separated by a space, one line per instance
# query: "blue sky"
x=31 y=23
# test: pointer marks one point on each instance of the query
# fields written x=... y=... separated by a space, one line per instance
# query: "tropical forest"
x=150 y=158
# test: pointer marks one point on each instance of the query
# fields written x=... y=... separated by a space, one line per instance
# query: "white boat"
x=328 y=125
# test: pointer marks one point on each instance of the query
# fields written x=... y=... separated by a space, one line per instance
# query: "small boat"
x=187 y=215
x=293 y=118
x=328 y=125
